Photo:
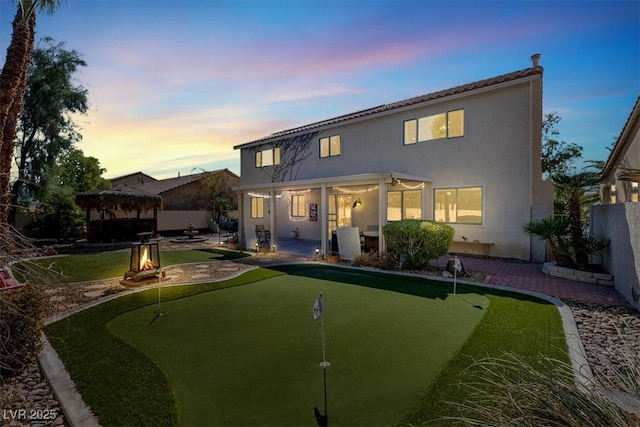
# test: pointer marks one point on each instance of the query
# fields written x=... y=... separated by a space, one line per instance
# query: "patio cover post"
x=241 y=214
x=272 y=217
x=382 y=217
x=324 y=226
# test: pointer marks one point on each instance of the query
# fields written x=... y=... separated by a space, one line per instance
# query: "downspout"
x=382 y=203
x=272 y=217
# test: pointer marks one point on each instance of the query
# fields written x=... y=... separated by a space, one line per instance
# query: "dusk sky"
x=175 y=84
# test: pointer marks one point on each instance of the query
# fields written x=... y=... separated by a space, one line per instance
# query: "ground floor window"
x=404 y=205
x=298 y=203
x=458 y=205
x=257 y=207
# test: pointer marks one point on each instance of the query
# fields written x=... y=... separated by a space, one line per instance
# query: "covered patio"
x=312 y=210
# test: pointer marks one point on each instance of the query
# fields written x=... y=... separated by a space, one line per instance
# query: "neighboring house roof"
x=163 y=185
x=140 y=174
x=623 y=143
x=527 y=72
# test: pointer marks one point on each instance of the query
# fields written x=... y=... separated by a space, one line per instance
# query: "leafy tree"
x=46 y=129
x=222 y=197
x=557 y=156
x=74 y=173
x=79 y=172
x=13 y=83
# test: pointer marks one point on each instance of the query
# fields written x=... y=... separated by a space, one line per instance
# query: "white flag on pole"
x=457 y=264
x=317 y=308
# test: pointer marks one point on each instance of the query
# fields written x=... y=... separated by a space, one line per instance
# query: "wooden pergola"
x=121 y=198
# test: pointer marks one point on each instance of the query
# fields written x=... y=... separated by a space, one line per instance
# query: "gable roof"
x=163 y=185
x=504 y=78
x=623 y=143
x=139 y=173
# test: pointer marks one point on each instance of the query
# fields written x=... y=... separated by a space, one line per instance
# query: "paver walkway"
x=529 y=276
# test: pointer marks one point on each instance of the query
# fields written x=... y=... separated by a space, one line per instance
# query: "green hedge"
x=416 y=242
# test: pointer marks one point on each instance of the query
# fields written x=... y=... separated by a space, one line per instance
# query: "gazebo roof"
x=127 y=197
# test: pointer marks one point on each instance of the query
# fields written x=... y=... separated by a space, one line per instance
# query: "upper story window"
x=330 y=146
x=437 y=126
x=458 y=205
x=268 y=157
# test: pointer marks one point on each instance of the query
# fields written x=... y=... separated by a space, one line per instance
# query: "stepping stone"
x=175 y=271
x=228 y=269
x=200 y=276
x=98 y=286
x=94 y=294
x=202 y=266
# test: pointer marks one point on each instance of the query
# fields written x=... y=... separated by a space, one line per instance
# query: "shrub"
x=415 y=242
x=567 y=248
x=382 y=260
x=509 y=391
x=21 y=328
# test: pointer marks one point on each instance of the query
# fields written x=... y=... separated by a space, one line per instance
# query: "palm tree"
x=576 y=192
x=553 y=230
x=13 y=82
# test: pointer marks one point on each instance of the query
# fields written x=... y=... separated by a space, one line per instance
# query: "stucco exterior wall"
x=620 y=223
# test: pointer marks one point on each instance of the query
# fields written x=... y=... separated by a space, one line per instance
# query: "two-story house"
x=469 y=156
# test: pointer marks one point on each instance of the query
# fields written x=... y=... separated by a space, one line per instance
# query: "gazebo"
x=108 y=213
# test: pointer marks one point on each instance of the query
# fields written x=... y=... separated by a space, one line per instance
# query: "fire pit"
x=144 y=261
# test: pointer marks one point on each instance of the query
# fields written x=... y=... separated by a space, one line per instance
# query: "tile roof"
x=163 y=185
x=622 y=143
x=527 y=72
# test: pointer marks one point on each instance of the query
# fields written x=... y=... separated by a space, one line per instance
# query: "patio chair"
x=263 y=236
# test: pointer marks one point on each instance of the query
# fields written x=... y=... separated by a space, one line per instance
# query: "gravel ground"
x=608 y=334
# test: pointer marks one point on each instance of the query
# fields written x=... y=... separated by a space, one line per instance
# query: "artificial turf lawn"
x=249 y=355
x=107 y=265
x=125 y=387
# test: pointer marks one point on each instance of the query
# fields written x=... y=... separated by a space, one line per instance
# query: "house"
x=469 y=156
x=186 y=199
x=617 y=217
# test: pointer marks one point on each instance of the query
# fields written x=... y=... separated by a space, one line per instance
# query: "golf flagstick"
x=323 y=420
x=457 y=266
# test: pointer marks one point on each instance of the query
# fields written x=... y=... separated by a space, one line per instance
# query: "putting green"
x=249 y=355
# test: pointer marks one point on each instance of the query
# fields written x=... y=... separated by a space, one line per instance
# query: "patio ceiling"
x=349 y=180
